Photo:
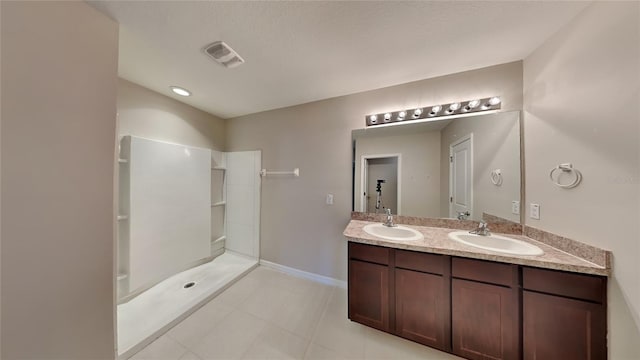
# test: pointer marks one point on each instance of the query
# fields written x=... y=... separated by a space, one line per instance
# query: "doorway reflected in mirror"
x=439 y=174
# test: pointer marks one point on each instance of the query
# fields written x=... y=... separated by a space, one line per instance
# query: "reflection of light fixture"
x=471 y=105
x=180 y=91
x=433 y=111
x=491 y=102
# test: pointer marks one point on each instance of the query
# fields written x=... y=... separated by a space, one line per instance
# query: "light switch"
x=515 y=207
x=329 y=199
x=534 y=211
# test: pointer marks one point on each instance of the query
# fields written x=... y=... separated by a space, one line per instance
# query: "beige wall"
x=59 y=78
x=496 y=145
x=419 y=170
x=581 y=91
x=298 y=229
x=148 y=114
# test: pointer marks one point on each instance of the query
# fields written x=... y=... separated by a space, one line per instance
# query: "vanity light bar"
x=427 y=112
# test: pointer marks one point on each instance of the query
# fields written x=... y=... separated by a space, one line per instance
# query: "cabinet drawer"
x=418 y=261
x=585 y=287
x=485 y=271
x=370 y=253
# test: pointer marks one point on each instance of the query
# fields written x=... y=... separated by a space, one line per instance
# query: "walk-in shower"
x=188 y=227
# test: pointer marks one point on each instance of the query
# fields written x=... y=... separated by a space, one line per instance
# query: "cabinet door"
x=559 y=328
x=422 y=308
x=369 y=294
x=484 y=321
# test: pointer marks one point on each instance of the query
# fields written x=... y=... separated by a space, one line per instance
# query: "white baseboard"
x=304 y=274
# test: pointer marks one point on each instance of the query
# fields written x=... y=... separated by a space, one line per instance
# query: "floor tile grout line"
x=184 y=348
x=308 y=340
x=196 y=355
x=315 y=329
x=246 y=350
x=209 y=330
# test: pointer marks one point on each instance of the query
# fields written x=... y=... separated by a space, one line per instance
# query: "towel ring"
x=496 y=177
x=566 y=168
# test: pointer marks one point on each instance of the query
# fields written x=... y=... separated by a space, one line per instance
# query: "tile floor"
x=271 y=315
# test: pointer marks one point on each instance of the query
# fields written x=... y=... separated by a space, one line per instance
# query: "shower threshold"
x=150 y=314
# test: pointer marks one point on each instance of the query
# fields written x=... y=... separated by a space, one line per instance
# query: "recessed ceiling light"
x=180 y=91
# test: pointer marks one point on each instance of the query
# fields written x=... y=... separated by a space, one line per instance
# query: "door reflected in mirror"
x=380 y=179
x=455 y=168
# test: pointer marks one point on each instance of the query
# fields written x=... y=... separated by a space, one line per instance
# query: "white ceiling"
x=301 y=51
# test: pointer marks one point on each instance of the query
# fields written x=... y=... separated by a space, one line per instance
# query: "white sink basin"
x=398 y=233
x=496 y=243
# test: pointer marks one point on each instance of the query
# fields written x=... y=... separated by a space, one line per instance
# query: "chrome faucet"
x=389 y=221
x=482 y=230
x=463 y=215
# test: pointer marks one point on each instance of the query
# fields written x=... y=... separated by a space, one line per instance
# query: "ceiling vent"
x=224 y=54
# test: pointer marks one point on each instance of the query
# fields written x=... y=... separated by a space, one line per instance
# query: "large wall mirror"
x=453 y=168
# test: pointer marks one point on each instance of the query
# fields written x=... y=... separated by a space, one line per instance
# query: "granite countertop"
x=436 y=241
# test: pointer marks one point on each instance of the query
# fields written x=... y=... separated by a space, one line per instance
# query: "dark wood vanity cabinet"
x=369 y=287
x=478 y=309
x=564 y=315
x=484 y=309
x=422 y=304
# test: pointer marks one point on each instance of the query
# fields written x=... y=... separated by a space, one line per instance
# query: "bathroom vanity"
x=478 y=304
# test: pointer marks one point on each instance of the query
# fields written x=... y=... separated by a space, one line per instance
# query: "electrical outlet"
x=515 y=207
x=534 y=211
x=329 y=199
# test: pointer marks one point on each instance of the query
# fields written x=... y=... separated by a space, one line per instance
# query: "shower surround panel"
x=169 y=209
x=243 y=202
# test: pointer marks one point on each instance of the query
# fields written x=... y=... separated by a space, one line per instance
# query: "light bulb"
x=454 y=107
x=387 y=116
x=402 y=114
x=435 y=109
x=492 y=102
x=417 y=113
x=373 y=118
x=473 y=104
